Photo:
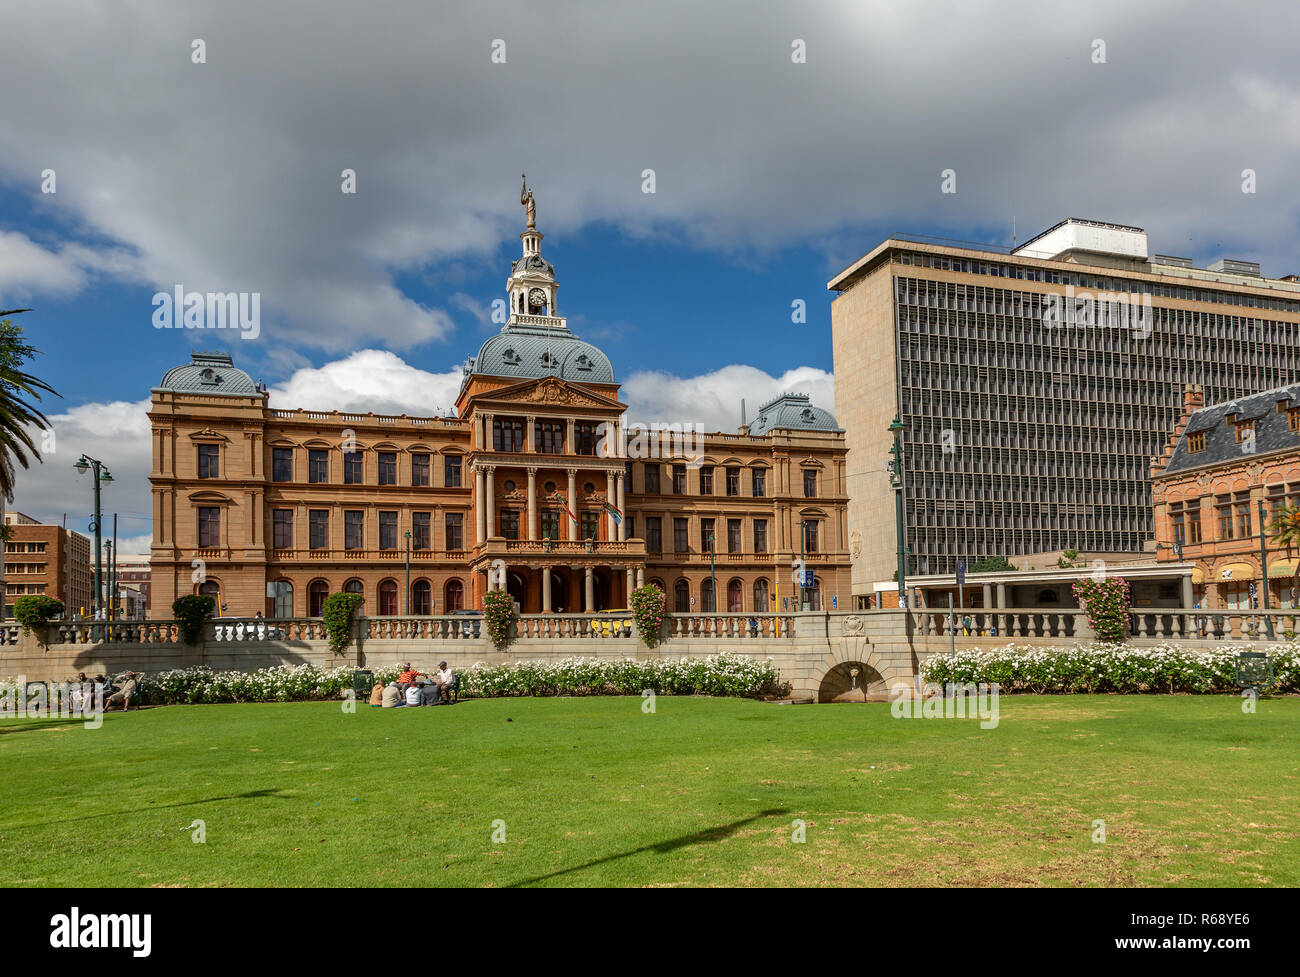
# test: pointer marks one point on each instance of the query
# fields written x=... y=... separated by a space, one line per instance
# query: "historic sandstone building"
x=536 y=485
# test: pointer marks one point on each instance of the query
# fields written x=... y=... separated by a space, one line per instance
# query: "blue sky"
x=772 y=171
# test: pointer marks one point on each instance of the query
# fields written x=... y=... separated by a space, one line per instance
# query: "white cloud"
x=369 y=380
x=713 y=399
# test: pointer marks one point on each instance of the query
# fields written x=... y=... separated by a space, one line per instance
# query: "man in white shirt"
x=413 y=695
x=444 y=677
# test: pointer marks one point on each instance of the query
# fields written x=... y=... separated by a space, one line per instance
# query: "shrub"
x=190 y=612
x=1106 y=602
x=36 y=611
x=648 y=605
x=337 y=613
x=499 y=614
x=1105 y=667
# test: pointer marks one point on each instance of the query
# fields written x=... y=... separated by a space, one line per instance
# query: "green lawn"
x=704 y=792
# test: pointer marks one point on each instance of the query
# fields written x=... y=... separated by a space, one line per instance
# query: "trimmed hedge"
x=1102 y=667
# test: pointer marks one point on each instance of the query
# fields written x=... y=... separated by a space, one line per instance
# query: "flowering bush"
x=1106 y=602
x=648 y=604
x=499 y=613
x=337 y=612
x=724 y=674
x=1102 y=667
x=190 y=611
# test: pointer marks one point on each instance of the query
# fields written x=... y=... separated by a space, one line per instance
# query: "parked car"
x=613 y=623
x=471 y=624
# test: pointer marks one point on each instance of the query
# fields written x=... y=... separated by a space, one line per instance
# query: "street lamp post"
x=895 y=468
x=1263 y=570
x=803 y=573
x=102 y=475
x=408 y=573
x=112 y=591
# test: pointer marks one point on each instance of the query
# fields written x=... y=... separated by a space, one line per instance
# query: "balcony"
x=622 y=550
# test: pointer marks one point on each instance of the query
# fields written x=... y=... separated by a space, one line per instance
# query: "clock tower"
x=532 y=284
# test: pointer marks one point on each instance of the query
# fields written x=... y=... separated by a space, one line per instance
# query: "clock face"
x=536 y=298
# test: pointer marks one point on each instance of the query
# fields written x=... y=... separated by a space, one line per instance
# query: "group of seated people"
x=99 y=692
x=414 y=688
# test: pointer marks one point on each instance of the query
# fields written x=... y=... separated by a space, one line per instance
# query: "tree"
x=1067 y=559
x=992 y=564
x=17 y=414
x=1285 y=533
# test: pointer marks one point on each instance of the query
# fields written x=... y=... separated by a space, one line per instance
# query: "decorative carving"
x=853 y=626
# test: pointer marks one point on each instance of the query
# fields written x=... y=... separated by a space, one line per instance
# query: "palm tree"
x=1285 y=533
x=18 y=415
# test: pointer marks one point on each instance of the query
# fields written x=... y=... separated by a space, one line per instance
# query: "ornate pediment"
x=209 y=435
x=554 y=392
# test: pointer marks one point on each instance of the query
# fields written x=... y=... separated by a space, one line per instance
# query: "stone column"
x=988 y=596
x=627 y=602
x=1188 y=598
x=480 y=510
x=529 y=422
x=532 y=504
x=611 y=530
x=1002 y=595
x=546 y=589
x=573 y=498
x=589 y=592
x=622 y=526
x=490 y=502
x=640 y=576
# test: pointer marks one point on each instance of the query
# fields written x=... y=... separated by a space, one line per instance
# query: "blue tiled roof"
x=209 y=373
x=529 y=352
x=792 y=412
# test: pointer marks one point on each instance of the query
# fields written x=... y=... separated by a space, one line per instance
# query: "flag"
x=559 y=497
x=961 y=572
x=1252 y=594
x=613 y=510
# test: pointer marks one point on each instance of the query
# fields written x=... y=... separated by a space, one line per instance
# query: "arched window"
x=706 y=596
x=316 y=594
x=211 y=588
x=656 y=582
x=682 y=597
x=388 y=598
x=421 y=598
x=762 y=600
x=283 y=605
x=354 y=586
x=735 y=596
x=454 y=599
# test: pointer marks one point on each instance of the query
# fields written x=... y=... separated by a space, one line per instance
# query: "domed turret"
x=209 y=373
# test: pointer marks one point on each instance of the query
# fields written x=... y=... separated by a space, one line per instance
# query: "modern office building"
x=272 y=510
x=1034 y=386
x=48 y=560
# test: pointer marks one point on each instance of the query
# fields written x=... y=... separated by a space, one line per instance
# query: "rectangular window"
x=451 y=471
x=388 y=530
x=1196 y=442
x=707 y=543
x=1293 y=419
x=733 y=481
x=706 y=480
x=318 y=528
x=282 y=464
x=1225 y=519
x=654 y=534
x=388 y=468
x=630 y=523
x=584 y=437
x=353 y=468
x=354 y=528
x=1243 y=518
x=809 y=483
x=209 y=526
x=507 y=434
x=651 y=479
x=1193 y=526
x=760 y=535
x=760 y=482
x=421 y=531
x=733 y=535
x=679 y=479
x=590 y=524
x=208 y=460
x=318 y=465
x=282 y=529
x=509 y=523
x=455 y=523
x=548 y=437
x=550 y=527
x=420 y=469
x=810 y=536
x=681 y=536
x=1245 y=431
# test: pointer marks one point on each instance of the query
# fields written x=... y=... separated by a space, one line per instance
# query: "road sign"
x=807 y=578
x=835 y=601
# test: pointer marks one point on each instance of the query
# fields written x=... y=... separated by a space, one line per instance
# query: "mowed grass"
x=703 y=792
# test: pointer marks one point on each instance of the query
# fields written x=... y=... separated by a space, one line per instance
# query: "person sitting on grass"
x=128 y=689
x=392 y=696
x=444 y=677
x=377 y=695
x=430 y=693
x=413 y=695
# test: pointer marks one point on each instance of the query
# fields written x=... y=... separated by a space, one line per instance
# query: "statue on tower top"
x=530 y=207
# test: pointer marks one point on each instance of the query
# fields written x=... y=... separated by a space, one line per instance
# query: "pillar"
x=622 y=526
x=480 y=511
x=1002 y=595
x=1188 y=598
x=988 y=596
x=573 y=498
x=627 y=593
x=546 y=590
x=532 y=504
x=611 y=530
x=490 y=502
x=640 y=576
x=589 y=592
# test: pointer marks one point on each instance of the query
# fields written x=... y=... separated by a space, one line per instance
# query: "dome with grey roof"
x=792 y=412
x=529 y=352
x=532 y=264
x=210 y=373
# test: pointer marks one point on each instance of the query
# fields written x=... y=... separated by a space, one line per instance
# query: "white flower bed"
x=1101 y=667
